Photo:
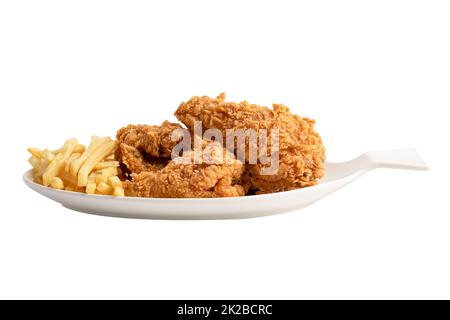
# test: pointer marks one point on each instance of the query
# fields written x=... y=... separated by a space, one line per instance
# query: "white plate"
x=337 y=176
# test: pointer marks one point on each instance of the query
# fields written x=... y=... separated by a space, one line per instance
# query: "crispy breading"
x=144 y=148
x=182 y=178
x=301 y=152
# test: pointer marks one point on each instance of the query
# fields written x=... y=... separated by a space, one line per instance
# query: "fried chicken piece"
x=143 y=148
x=182 y=178
x=301 y=152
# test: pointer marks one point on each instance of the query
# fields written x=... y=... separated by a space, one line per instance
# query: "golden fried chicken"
x=182 y=178
x=142 y=148
x=301 y=152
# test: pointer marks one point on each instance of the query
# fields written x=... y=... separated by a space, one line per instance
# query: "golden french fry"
x=106 y=164
x=38 y=179
x=57 y=183
x=68 y=178
x=69 y=161
x=74 y=188
x=57 y=164
x=91 y=188
x=48 y=155
x=118 y=192
x=108 y=172
x=35 y=152
x=96 y=142
x=53 y=171
x=34 y=161
x=99 y=178
x=79 y=148
x=115 y=182
x=92 y=177
x=104 y=188
x=39 y=166
x=104 y=150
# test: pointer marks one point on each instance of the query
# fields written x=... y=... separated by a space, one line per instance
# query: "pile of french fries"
x=74 y=167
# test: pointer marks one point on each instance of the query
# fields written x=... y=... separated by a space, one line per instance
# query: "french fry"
x=68 y=178
x=74 y=188
x=99 y=178
x=108 y=172
x=48 y=155
x=79 y=148
x=69 y=161
x=104 y=188
x=57 y=164
x=115 y=182
x=57 y=183
x=35 y=152
x=104 y=150
x=39 y=166
x=91 y=188
x=38 y=179
x=118 y=192
x=34 y=161
x=106 y=164
x=53 y=171
x=96 y=142
x=92 y=177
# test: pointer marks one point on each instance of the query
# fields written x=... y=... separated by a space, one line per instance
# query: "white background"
x=374 y=74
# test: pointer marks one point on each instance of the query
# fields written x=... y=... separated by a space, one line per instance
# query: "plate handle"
x=396 y=159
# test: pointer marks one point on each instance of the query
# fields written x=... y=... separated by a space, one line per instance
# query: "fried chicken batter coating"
x=142 y=148
x=183 y=179
x=301 y=152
